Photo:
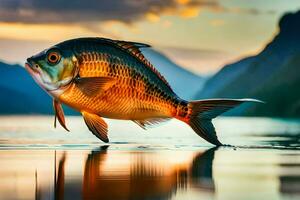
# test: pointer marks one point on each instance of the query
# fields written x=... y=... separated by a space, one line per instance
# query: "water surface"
x=168 y=162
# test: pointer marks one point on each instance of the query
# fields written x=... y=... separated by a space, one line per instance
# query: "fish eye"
x=53 y=57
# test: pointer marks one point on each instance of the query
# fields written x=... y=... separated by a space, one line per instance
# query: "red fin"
x=96 y=125
x=202 y=112
x=59 y=114
x=94 y=85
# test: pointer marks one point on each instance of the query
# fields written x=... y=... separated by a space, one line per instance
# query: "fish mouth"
x=27 y=65
x=36 y=75
x=33 y=72
x=30 y=69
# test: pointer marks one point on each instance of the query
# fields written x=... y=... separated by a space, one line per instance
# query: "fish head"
x=52 y=68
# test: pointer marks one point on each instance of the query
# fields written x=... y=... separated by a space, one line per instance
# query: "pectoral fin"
x=94 y=85
x=59 y=114
x=96 y=125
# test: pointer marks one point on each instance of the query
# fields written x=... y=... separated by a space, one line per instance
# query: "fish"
x=106 y=78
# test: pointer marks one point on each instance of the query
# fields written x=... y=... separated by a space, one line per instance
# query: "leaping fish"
x=107 y=78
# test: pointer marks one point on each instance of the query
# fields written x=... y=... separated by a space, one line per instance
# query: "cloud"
x=190 y=12
x=152 y=17
x=252 y=11
x=91 y=11
x=46 y=32
x=75 y=11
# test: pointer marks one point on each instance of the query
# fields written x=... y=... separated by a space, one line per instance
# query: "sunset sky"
x=200 y=35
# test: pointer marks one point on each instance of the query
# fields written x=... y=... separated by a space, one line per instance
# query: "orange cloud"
x=152 y=17
x=183 y=2
x=190 y=12
x=46 y=12
x=44 y=32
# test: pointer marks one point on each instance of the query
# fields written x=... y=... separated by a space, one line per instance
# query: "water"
x=167 y=162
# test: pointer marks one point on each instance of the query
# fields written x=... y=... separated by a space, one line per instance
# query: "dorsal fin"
x=134 y=49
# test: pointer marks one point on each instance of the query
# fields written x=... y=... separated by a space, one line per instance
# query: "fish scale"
x=110 y=78
x=118 y=101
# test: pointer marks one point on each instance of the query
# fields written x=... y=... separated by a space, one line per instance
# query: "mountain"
x=21 y=95
x=175 y=74
x=273 y=75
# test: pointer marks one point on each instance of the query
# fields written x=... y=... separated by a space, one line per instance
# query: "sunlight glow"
x=235 y=28
x=151 y=17
x=190 y=12
x=46 y=32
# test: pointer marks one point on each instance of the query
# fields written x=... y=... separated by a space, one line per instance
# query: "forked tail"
x=200 y=114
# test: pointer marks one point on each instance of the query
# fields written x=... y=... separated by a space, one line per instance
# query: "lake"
x=166 y=162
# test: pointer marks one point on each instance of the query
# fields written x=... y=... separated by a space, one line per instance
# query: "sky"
x=200 y=35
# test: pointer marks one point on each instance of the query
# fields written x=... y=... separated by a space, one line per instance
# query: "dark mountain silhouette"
x=273 y=75
x=184 y=83
x=19 y=94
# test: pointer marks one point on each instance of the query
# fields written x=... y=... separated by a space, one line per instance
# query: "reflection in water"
x=110 y=173
x=59 y=182
x=284 y=140
x=171 y=166
x=290 y=185
x=290 y=178
x=201 y=170
x=146 y=178
x=37 y=188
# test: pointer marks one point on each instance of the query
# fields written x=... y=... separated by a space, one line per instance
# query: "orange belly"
x=129 y=98
x=119 y=102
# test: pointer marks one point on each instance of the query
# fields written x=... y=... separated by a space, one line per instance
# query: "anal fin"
x=59 y=114
x=151 y=122
x=96 y=125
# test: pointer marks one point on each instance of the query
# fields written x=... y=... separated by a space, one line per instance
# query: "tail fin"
x=203 y=111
